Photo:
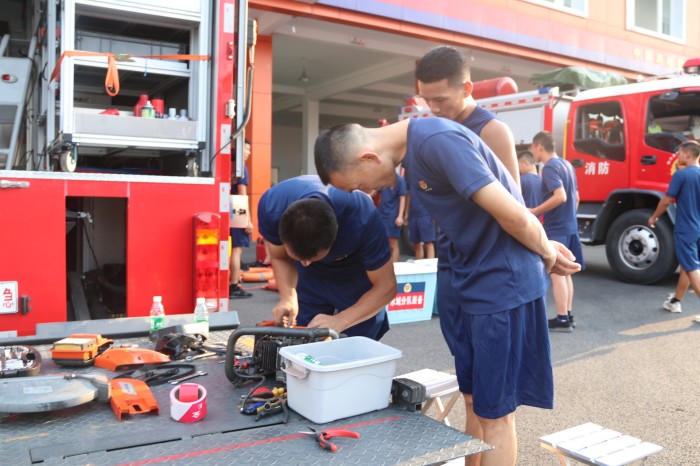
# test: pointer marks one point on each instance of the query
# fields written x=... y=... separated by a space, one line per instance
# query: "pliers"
x=323 y=436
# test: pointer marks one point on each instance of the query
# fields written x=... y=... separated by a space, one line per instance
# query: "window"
x=663 y=18
x=672 y=118
x=600 y=131
x=576 y=7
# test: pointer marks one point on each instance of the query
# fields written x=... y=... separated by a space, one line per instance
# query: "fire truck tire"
x=638 y=253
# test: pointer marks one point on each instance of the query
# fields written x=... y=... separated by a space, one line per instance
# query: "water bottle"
x=310 y=359
x=201 y=313
x=157 y=314
x=148 y=111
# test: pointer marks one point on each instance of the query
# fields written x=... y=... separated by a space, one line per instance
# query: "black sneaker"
x=556 y=325
x=236 y=292
x=573 y=322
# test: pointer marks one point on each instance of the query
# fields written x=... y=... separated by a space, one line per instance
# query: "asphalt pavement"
x=629 y=365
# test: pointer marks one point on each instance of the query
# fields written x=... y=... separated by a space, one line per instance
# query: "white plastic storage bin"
x=415 y=294
x=354 y=377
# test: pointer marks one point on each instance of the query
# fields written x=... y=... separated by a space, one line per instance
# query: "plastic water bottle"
x=157 y=314
x=148 y=111
x=310 y=359
x=201 y=313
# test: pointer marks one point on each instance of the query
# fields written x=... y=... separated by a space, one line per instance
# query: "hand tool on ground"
x=323 y=436
x=187 y=377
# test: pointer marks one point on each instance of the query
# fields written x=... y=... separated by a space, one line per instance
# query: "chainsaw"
x=264 y=360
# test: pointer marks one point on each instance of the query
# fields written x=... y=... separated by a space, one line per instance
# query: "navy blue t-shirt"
x=390 y=198
x=490 y=270
x=242 y=180
x=361 y=244
x=685 y=187
x=558 y=173
x=531 y=186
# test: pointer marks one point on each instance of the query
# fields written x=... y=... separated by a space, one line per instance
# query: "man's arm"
x=518 y=222
x=382 y=292
x=243 y=190
x=401 y=216
x=662 y=206
x=286 y=275
x=558 y=198
x=499 y=138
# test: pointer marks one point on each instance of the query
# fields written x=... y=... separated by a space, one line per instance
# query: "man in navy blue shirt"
x=240 y=237
x=530 y=180
x=499 y=255
x=560 y=201
x=330 y=256
x=685 y=188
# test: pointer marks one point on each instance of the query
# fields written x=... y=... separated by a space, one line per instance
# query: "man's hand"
x=564 y=261
x=652 y=221
x=399 y=221
x=285 y=312
x=327 y=321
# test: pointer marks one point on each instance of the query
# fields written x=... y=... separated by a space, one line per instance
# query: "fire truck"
x=622 y=141
x=105 y=205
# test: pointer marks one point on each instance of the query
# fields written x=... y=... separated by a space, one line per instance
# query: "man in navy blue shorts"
x=499 y=255
x=421 y=229
x=330 y=256
x=685 y=188
x=392 y=202
x=530 y=180
x=240 y=237
x=559 y=204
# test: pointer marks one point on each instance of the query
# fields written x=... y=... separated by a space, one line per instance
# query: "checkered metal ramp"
x=91 y=433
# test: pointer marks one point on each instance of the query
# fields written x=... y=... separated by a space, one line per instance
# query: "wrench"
x=187 y=377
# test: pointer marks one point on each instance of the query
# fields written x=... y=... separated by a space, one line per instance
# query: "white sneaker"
x=674 y=307
x=696 y=319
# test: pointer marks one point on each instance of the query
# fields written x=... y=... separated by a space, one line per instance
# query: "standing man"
x=499 y=254
x=392 y=202
x=560 y=194
x=685 y=188
x=330 y=256
x=444 y=83
x=530 y=181
x=240 y=237
x=421 y=228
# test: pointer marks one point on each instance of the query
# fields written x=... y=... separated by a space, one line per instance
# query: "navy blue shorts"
x=392 y=231
x=504 y=360
x=239 y=238
x=328 y=295
x=573 y=242
x=421 y=229
x=687 y=246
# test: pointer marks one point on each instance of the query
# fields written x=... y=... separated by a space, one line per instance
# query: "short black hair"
x=527 y=155
x=545 y=139
x=332 y=148
x=692 y=147
x=443 y=62
x=308 y=226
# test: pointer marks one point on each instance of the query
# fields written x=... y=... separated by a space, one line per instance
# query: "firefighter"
x=330 y=256
x=499 y=257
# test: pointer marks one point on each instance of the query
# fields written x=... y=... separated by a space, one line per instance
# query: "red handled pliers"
x=323 y=436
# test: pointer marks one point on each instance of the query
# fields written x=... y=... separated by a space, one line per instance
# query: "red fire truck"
x=622 y=141
x=104 y=206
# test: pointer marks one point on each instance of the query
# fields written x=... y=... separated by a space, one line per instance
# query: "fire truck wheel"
x=637 y=253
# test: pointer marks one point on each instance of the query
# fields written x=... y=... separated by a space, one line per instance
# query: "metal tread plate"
x=91 y=433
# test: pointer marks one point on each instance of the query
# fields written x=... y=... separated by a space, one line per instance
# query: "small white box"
x=354 y=377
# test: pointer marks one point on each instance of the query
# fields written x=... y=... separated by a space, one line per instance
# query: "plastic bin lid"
x=408 y=268
x=341 y=354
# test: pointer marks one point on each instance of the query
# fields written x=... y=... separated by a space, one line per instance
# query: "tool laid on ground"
x=187 y=377
x=159 y=374
x=48 y=393
x=123 y=358
x=323 y=436
x=19 y=361
x=265 y=360
x=131 y=396
x=79 y=349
